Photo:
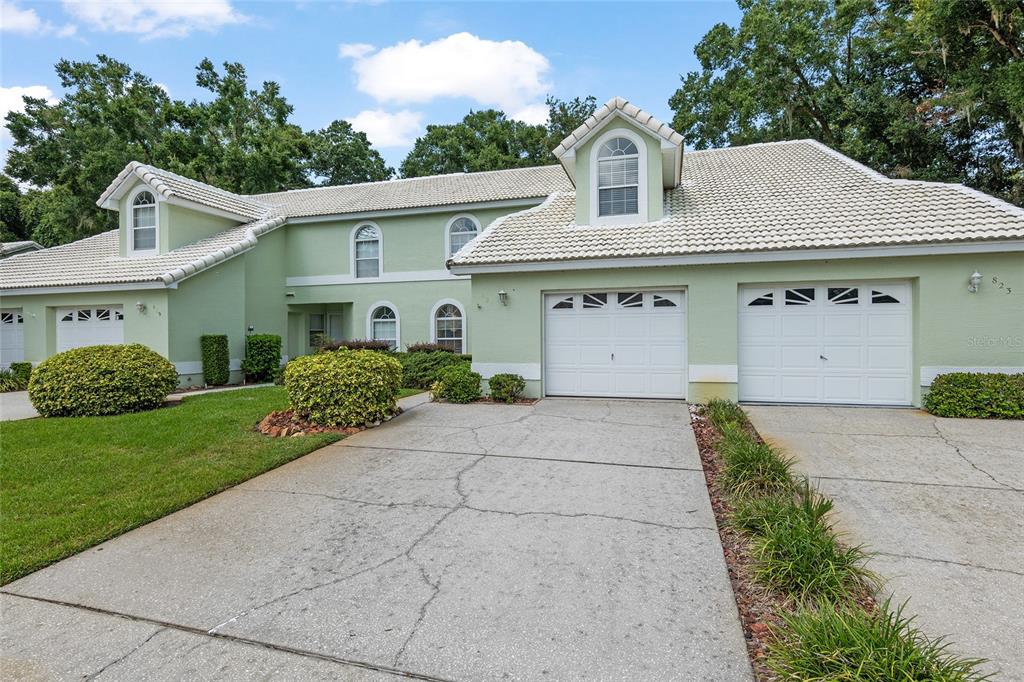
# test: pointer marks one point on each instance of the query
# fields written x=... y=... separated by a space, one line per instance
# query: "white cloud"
x=14 y=19
x=508 y=74
x=155 y=18
x=534 y=114
x=11 y=98
x=385 y=129
x=355 y=50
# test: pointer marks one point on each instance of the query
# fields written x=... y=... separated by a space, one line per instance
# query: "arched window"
x=448 y=327
x=384 y=325
x=618 y=178
x=460 y=232
x=143 y=233
x=367 y=251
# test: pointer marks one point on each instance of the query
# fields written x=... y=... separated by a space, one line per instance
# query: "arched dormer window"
x=367 y=251
x=461 y=230
x=618 y=178
x=143 y=224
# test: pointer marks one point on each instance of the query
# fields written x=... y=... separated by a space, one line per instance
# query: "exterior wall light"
x=975 y=282
x=140 y=306
x=503 y=297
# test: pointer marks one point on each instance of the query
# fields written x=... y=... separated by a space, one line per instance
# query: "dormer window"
x=461 y=230
x=618 y=178
x=143 y=226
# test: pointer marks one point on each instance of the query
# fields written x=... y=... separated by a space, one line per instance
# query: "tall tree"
x=565 y=116
x=341 y=155
x=12 y=223
x=872 y=79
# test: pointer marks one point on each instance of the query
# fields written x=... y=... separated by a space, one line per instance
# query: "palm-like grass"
x=751 y=467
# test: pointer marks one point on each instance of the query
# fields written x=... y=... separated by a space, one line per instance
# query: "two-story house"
x=781 y=272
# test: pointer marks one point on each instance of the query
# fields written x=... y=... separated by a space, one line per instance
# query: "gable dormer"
x=160 y=211
x=621 y=160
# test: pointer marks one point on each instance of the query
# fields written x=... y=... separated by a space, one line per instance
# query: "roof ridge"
x=157 y=170
x=610 y=108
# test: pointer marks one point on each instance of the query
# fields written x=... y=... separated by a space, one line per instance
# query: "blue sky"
x=390 y=67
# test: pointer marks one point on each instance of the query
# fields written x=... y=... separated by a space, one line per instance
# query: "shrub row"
x=965 y=394
x=797 y=554
x=420 y=369
x=356 y=344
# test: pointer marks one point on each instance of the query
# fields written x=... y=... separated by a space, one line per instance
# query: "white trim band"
x=928 y=374
x=714 y=374
x=528 y=370
x=411 y=276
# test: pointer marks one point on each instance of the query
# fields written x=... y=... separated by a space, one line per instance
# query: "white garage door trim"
x=89 y=326
x=835 y=343
x=627 y=343
x=12 y=337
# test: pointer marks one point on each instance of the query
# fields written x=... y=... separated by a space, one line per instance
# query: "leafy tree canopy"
x=929 y=90
x=341 y=155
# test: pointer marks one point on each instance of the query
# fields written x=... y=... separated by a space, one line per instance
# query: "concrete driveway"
x=16 y=405
x=939 y=500
x=564 y=540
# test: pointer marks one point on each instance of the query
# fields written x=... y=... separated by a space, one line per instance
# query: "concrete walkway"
x=939 y=500
x=564 y=540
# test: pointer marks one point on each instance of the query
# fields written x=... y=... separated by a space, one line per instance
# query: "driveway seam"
x=948 y=561
x=535 y=459
x=958 y=486
x=167 y=625
x=593 y=516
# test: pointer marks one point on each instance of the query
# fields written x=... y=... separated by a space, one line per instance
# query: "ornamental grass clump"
x=723 y=413
x=846 y=642
x=344 y=387
x=101 y=380
x=751 y=467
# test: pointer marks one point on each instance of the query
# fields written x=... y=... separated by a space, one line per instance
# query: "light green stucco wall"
x=952 y=327
x=148 y=327
x=655 y=188
x=176 y=225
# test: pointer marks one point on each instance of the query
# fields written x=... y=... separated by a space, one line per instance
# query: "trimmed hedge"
x=22 y=371
x=420 y=369
x=965 y=394
x=216 y=359
x=357 y=344
x=262 y=356
x=457 y=384
x=101 y=380
x=506 y=387
x=424 y=347
x=344 y=388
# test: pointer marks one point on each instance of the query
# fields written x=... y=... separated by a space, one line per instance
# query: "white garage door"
x=12 y=337
x=826 y=343
x=628 y=344
x=77 y=327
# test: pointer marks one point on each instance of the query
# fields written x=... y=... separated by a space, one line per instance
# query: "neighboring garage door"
x=628 y=344
x=12 y=337
x=826 y=343
x=77 y=327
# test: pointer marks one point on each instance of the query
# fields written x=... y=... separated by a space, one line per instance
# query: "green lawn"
x=69 y=483
x=406 y=392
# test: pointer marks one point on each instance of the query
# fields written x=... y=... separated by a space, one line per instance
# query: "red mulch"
x=285 y=423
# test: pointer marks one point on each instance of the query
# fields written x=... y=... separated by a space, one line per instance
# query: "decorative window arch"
x=460 y=231
x=384 y=324
x=448 y=325
x=366 y=251
x=618 y=178
x=143 y=223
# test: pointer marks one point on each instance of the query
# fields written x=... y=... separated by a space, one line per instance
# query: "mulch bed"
x=285 y=423
x=758 y=608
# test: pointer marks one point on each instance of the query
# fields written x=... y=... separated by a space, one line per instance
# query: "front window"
x=618 y=178
x=384 y=326
x=368 y=251
x=143 y=236
x=460 y=233
x=316 y=330
x=448 y=327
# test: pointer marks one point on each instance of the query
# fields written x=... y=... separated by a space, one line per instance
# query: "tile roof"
x=8 y=249
x=762 y=197
x=95 y=260
x=173 y=185
x=435 y=190
x=611 y=107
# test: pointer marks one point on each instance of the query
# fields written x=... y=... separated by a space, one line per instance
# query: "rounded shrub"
x=343 y=387
x=100 y=380
x=976 y=395
x=506 y=387
x=421 y=368
x=457 y=384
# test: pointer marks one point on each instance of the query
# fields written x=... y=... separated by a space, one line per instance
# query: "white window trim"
x=448 y=253
x=642 y=189
x=465 y=325
x=380 y=251
x=131 y=250
x=398 y=321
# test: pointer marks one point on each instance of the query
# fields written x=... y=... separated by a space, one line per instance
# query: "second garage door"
x=826 y=343
x=77 y=327
x=628 y=344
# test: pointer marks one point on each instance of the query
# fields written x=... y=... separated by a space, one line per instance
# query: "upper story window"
x=367 y=251
x=143 y=223
x=461 y=231
x=618 y=178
